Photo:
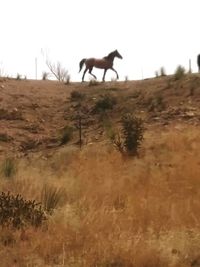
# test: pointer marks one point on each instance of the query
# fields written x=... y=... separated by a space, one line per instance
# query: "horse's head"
x=117 y=54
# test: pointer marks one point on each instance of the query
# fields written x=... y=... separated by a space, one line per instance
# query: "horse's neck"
x=110 y=57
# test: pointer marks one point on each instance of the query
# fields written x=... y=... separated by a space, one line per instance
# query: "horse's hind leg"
x=90 y=72
x=84 y=74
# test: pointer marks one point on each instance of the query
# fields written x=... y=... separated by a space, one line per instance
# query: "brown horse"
x=103 y=63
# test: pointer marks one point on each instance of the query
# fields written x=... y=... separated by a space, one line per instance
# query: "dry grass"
x=140 y=212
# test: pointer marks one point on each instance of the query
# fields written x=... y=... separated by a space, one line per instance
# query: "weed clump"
x=8 y=168
x=156 y=103
x=93 y=82
x=77 y=96
x=17 y=212
x=51 y=197
x=66 y=135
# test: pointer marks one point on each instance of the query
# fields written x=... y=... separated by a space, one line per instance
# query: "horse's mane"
x=109 y=56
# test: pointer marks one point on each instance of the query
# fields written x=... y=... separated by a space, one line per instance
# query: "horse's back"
x=100 y=63
x=89 y=62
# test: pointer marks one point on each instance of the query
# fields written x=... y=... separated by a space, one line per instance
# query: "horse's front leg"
x=104 y=74
x=115 y=72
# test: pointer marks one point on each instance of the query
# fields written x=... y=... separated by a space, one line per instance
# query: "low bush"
x=106 y=102
x=179 y=72
x=17 y=212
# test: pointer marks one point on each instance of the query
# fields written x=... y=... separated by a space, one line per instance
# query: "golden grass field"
x=115 y=211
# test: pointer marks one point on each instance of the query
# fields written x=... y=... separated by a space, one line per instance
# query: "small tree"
x=128 y=141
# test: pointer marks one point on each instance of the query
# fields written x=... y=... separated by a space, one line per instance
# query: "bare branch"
x=58 y=71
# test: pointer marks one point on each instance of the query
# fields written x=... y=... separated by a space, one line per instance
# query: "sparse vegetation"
x=126 y=78
x=45 y=75
x=9 y=168
x=160 y=73
x=58 y=71
x=93 y=82
x=67 y=79
x=179 y=72
x=18 y=77
x=66 y=135
x=115 y=211
x=4 y=137
x=128 y=141
x=156 y=103
x=51 y=197
x=106 y=102
x=17 y=212
x=77 y=96
x=29 y=144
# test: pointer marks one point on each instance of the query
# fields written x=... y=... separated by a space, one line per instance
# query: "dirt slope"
x=32 y=113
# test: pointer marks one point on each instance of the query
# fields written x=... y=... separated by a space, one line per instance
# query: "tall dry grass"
x=140 y=212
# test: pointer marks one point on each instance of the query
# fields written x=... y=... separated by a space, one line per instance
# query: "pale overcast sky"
x=149 y=34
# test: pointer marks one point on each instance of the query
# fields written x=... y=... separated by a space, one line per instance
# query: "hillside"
x=33 y=113
x=101 y=209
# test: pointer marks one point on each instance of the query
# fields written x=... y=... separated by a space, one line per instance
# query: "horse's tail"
x=81 y=63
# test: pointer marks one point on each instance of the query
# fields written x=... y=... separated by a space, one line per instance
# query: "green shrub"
x=51 y=197
x=179 y=72
x=128 y=141
x=8 y=168
x=17 y=212
x=106 y=102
